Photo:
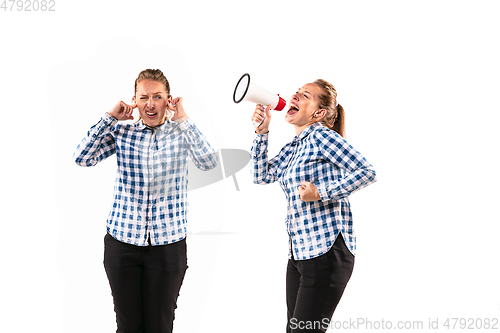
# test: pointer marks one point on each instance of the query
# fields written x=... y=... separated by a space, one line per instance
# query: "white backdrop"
x=419 y=81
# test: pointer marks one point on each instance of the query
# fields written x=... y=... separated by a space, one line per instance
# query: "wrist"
x=180 y=120
x=322 y=193
x=109 y=114
x=179 y=115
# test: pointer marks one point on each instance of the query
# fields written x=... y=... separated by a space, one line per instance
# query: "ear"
x=320 y=113
x=134 y=100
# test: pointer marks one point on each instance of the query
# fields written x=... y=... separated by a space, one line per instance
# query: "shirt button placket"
x=150 y=183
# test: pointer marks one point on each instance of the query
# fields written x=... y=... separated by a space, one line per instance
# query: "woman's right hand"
x=258 y=115
x=122 y=111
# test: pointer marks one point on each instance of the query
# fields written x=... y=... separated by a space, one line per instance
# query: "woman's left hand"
x=176 y=106
x=309 y=192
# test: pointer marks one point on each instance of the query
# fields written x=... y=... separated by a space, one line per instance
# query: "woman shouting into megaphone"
x=318 y=171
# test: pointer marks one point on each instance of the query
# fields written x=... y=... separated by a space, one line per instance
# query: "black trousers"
x=145 y=284
x=314 y=288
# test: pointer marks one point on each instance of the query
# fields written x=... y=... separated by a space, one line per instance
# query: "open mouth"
x=293 y=109
x=151 y=114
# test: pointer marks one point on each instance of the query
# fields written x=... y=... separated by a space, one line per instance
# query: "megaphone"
x=247 y=90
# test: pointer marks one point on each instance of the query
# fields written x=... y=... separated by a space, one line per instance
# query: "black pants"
x=314 y=288
x=145 y=284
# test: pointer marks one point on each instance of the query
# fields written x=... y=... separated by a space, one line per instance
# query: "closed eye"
x=303 y=94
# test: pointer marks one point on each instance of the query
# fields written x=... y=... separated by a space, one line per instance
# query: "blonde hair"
x=154 y=75
x=335 y=116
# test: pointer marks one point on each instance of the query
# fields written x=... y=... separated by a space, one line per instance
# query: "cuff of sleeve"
x=181 y=120
x=332 y=192
x=262 y=137
x=323 y=193
x=184 y=124
x=259 y=146
x=109 y=120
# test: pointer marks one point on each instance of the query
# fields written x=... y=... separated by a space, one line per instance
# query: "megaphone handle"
x=257 y=123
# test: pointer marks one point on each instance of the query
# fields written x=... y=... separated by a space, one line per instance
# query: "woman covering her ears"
x=318 y=170
x=145 y=244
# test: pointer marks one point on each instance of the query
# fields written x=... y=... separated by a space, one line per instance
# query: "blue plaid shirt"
x=150 y=194
x=322 y=157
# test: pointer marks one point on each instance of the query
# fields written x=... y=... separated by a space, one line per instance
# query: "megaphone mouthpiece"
x=281 y=104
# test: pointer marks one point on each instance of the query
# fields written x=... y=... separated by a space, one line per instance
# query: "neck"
x=300 y=128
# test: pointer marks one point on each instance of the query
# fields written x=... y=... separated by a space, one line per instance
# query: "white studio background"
x=419 y=81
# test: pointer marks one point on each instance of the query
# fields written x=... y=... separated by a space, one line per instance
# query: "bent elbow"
x=211 y=163
x=261 y=181
x=205 y=162
x=372 y=175
x=84 y=162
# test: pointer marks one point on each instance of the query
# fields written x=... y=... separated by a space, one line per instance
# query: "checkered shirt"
x=322 y=157
x=150 y=193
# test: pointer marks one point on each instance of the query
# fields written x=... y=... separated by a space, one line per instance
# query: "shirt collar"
x=305 y=133
x=163 y=127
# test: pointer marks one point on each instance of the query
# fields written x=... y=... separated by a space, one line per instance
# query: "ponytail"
x=334 y=117
x=339 y=122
